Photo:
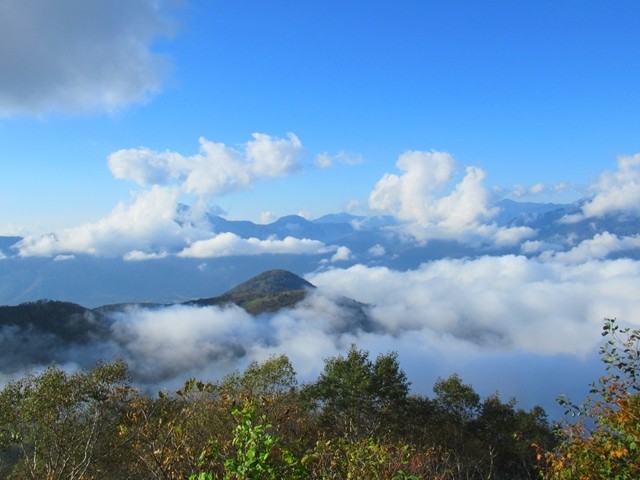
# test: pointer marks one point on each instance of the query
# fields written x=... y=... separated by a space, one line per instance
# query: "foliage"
x=62 y=425
x=272 y=377
x=357 y=420
x=360 y=398
x=603 y=442
x=257 y=453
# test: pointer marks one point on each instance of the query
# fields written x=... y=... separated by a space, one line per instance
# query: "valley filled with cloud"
x=471 y=201
x=450 y=278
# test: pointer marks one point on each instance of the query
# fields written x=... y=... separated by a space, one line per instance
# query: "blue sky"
x=532 y=93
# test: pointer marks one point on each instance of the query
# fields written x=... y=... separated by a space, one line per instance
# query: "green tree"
x=275 y=376
x=357 y=397
x=60 y=425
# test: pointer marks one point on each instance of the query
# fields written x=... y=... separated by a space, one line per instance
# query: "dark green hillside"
x=68 y=321
x=268 y=292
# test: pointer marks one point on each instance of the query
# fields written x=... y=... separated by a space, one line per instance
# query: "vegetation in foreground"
x=358 y=420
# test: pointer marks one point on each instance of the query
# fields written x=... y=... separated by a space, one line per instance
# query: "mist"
x=517 y=326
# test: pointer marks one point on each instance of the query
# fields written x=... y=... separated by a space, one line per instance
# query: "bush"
x=603 y=441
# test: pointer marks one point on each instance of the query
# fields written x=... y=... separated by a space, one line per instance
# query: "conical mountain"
x=269 y=291
x=271 y=282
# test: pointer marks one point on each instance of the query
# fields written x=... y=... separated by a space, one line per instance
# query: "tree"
x=357 y=397
x=61 y=425
x=275 y=376
x=604 y=440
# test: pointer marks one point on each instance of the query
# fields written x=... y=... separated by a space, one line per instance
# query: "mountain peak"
x=267 y=292
x=271 y=282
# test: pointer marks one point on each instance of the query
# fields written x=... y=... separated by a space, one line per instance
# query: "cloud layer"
x=528 y=328
x=77 y=56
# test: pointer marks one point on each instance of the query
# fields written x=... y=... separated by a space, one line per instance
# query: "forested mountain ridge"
x=36 y=334
x=68 y=321
x=268 y=292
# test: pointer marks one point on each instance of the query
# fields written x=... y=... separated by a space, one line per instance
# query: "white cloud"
x=534 y=246
x=343 y=254
x=143 y=225
x=352 y=206
x=324 y=160
x=304 y=213
x=524 y=191
x=215 y=170
x=425 y=197
x=537 y=188
x=598 y=247
x=144 y=166
x=137 y=255
x=77 y=56
x=615 y=192
x=177 y=340
x=227 y=244
x=377 y=250
x=499 y=303
x=274 y=157
x=153 y=225
x=509 y=236
x=267 y=217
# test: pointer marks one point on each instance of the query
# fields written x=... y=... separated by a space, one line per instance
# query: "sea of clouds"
x=526 y=324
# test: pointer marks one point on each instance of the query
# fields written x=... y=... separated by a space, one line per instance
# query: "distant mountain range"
x=372 y=241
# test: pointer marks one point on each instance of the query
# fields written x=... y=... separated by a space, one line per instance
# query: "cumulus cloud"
x=227 y=243
x=615 y=192
x=425 y=197
x=600 y=246
x=78 y=56
x=155 y=224
x=146 y=223
x=342 y=254
x=215 y=170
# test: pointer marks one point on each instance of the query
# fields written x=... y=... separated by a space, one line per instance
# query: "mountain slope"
x=70 y=322
x=268 y=292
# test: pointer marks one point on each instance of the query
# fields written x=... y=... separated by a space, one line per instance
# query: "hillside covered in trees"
x=356 y=420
